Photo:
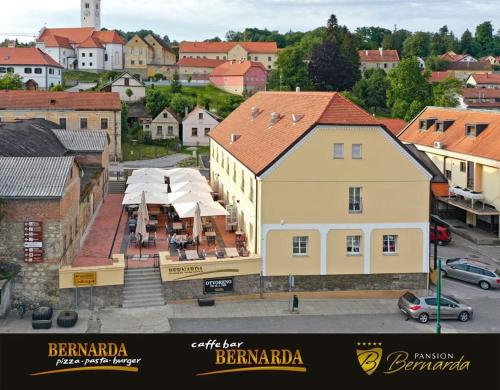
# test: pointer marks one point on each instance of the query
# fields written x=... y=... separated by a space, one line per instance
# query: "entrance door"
x=470 y=175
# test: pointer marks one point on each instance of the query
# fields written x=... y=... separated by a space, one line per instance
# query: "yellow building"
x=322 y=190
x=464 y=145
x=264 y=52
x=149 y=56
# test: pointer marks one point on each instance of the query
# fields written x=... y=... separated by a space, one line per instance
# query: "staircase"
x=143 y=288
x=117 y=187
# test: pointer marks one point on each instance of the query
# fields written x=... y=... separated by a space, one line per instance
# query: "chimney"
x=254 y=112
x=296 y=118
x=381 y=51
x=297 y=89
x=366 y=52
x=275 y=117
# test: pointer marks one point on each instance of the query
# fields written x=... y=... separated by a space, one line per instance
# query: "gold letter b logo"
x=369 y=359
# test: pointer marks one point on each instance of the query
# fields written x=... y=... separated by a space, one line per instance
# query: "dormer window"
x=425 y=124
x=470 y=130
x=474 y=129
x=442 y=126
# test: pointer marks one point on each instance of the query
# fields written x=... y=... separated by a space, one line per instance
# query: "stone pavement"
x=135 y=320
x=272 y=308
x=162 y=162
x=13 y=324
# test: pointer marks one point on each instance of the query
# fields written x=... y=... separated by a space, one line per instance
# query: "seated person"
x=173 y=240
x=189 y=239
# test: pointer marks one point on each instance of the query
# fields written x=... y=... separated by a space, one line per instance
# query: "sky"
x=202 y=19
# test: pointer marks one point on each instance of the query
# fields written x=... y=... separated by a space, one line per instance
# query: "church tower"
x=91 y=14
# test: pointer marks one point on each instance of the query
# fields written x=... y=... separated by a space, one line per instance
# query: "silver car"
x=471 y=271
x=425 y=308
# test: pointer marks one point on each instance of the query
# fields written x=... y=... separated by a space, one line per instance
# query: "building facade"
x=197 y=68
x=484 y=80
x=463 y=145
x=91 y=14
x=148 y=56
x=44 y=223
x=483 y=98
x=197 y=125
x=124 y=84
x=37 y=69
x=306 y=173
x=83 y=48
x=378 y=59
x=239 y=77
x=264 y=52
x=164 y=126
x=71 y=111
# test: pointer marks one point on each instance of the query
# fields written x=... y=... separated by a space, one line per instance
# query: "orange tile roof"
x=224 y=47
x=474 y=93
x=486 y=144
x=395 y=125
x=436 y=77
x=199 y=62
x=91 y=42
x=260 y=145
x=25 y=56
x=491 y=78
x=57 y=41
x=74 y=35
x=378 y=55
x=236 y=68
x=468 y=65
x=109 y=37
x=91 y=101
x=451 y=56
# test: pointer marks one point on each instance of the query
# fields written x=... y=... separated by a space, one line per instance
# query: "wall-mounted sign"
x=33 y=242
x=218 y=285
x=82 y=279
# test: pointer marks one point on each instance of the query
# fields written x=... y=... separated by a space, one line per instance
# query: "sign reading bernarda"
x=188 y=269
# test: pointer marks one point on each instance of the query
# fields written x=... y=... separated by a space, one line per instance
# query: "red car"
x=443 y=235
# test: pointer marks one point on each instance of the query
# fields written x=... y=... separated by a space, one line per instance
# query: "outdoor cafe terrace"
x=112 y=233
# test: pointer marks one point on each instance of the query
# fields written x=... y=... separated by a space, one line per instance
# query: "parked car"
x=472 y=271
x=443 y=236
x=425 y=308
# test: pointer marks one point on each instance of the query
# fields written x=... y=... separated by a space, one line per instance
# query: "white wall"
x=90 y=59
x=193 y=121
x=115 y=56
x=44 y=79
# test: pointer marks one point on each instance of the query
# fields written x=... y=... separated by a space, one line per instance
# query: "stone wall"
x=250 y=284
x=106 y=296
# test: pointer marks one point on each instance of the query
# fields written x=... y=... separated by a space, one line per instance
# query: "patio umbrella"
x=178 y=171
x=188 y=210
x=151 y=198
x=197 y=225
x=148 y=187
x=190 y=178
x=191 y=186
x=189 y=196
x=142 y=221
x=146 y=179
x=150 y=171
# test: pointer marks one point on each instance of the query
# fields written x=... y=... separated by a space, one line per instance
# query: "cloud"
x=201 y=19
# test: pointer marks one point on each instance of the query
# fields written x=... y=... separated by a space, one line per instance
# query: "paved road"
x=162 y=162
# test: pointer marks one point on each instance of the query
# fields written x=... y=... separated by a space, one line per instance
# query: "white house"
x=196 y=126
x=37 y=69
x=126 y=82
x=164 y=126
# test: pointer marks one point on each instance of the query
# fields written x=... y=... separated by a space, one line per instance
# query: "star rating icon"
x=370 y=344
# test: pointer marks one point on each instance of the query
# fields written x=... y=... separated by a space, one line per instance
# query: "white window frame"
x=359 y=149
x=386 y=240
x=354 y=243
x=355 y=193
x=300 y=245
x=336 y=155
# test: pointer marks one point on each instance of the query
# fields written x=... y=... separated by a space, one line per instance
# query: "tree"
x=371 y=37
x=353 y=98
x=176 y=86
x=156 y=101
x=129 y=93
x=291 y=70
x=159 y=76
x=445 y=93
x=395 y=40
x=179 y=103
x=334 y=64
x=11 y=81
x=57 y=88
x=124 y=120
x=467 y=44
x=436 y=63
x=409 y=90
x=417 y=45
x=484 y=38
x=214 y=39
x=372 y=89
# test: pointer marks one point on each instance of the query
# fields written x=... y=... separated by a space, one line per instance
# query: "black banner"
x=234 y=361
x=211 y=286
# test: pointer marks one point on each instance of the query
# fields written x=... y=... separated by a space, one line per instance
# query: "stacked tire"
x=42 y=318
x=67 y=319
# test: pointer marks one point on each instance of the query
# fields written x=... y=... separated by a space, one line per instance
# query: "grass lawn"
x=84 y=77
x=143 y=152
x=202 y=150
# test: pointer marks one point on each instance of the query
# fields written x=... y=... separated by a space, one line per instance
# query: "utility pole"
x=438 y=297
